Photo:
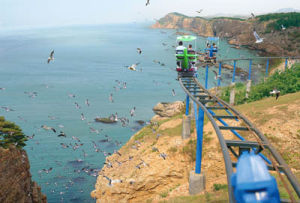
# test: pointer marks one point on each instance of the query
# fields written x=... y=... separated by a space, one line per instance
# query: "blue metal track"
x=217 y=111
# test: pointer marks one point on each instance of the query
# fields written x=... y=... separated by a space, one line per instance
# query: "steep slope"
x=240 y=32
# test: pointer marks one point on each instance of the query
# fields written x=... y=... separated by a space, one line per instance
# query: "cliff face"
x=15 y=178
x=238 y=32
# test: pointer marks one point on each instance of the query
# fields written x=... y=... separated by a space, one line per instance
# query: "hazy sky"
x=36 y=13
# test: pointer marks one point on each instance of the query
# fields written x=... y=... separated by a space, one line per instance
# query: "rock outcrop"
x=238 y=32
x=167 y=110
x=15 y=178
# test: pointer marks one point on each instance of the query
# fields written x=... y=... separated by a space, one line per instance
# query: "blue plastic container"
x=252 y=181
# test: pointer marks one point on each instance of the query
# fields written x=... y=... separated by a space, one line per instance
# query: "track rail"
x=219 y=112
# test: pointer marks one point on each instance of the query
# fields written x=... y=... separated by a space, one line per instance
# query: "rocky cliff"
x=15 y=178
x=238 y=32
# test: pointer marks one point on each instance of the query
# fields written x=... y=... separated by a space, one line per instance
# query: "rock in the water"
x=165 y=109
x=105 y=120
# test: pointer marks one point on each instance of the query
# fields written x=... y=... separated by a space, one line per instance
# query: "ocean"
x=89 y=63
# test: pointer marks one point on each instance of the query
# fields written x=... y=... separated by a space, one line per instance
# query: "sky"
x=44 y=13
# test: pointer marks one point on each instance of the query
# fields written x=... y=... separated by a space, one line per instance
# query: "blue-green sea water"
x=88 y=60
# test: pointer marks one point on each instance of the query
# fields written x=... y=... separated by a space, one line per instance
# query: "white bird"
x=51 y=57
x=132 y=112
x=252 y=15
x=87 y=102
x=133 y=66
x=139 y=50
x=82 y=117
x=258 y=39
x=7 y=109
x=111 y=98
x=71 y=95
x=2 y=88
x=148 y=2
x=199 y=11
x=93 y=130
x=282 y=27
x=276 y=92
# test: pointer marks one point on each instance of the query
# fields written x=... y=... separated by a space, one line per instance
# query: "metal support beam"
x=267 y=68
x=200 y=122
x=187 y=105
x=234 y=69
x=250 y=67
x=219 y=78
x=286 y=62
x=206 y=77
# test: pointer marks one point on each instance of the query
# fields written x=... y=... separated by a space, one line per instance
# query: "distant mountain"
x=287 y=10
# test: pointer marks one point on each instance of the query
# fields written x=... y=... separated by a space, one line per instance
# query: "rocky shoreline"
x=238 y=32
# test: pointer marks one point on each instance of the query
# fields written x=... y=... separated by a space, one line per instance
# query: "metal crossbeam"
x=238 y=143
x=233 y=128
x=216 y=107
x=225 y=116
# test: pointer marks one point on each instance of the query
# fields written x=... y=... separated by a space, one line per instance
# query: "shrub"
x=10 y=133
x=218 y=187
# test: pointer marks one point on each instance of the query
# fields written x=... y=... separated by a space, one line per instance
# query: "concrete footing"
x=186 y=127
x=192 y=114
x=196 y=183
x=232 y=94
x=248 y=87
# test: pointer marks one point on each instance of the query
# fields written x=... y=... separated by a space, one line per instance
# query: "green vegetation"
x=164 y=194
x=229 y=18
x=218 y=187
x=190 y=149
x=286 y=82
x=286 y=19
x=172 y=150
x=10 y=133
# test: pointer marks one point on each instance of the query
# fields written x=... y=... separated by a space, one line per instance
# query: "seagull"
x=76 y=138
x=46 y=170
x=2 y=88
x=82 y=117
x=71 y=95
x=77 y=105
x=51 y=58
x=31 y=94
x=62 y=134
x=139 y=50
x=276 y=92
x=133 y=66
x=132 y=112
x=173 y=92
x=61 y=126
x=282 y=27
x=258 y=39
x=252 y=15
x=163 y=155
x=6 y=108
x=148 y=2
x=87 y=102
x=48 y=128
x=199 y=11
x=111 y=98
x=31 y=137
x=93 y=130
x=217 y=76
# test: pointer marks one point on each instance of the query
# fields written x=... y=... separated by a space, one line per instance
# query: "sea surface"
x=89 y=62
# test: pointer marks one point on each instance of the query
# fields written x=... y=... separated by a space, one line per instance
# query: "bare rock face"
x=168 y=109
x=238 y=32
x=15 y=178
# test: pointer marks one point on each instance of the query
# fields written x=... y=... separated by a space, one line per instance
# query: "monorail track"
x=218 y=113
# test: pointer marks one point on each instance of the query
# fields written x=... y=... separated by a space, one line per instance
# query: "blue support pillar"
x=187 y=105
x=199 y=128
x=250 y=66
x=267 y=68
x=206 y=77
x=234 y=69
x=219 y=78
x=285 y=65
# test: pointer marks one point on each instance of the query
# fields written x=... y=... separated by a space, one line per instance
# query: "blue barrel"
x=252 y=181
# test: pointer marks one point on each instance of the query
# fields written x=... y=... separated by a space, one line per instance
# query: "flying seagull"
x=282 y=27
x=148 y=2
x=173 y=92
x=258 y=39
x=199 y=11
x=133 y=66
x=51 y=57
x=139 y=50
x=252 y=15
x=216 y=75
x=276 y=92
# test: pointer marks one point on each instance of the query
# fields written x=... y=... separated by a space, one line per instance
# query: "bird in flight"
x=276 y=92
x=51 y=57
x=139 y=50
x=199 y=11
x=258 y=39
x=282 y=27
x=217 y=76
x=148 y=2
x=133 y=66
x=252 y=15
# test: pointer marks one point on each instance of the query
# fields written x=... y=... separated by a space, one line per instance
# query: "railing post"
x=219 y=78
x=187 y=105
x=232 y=92
x=248 y=86
x=206 y=77
x=285 y=65
x=200 y=122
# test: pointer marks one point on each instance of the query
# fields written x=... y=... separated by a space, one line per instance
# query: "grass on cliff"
x=286 y=82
